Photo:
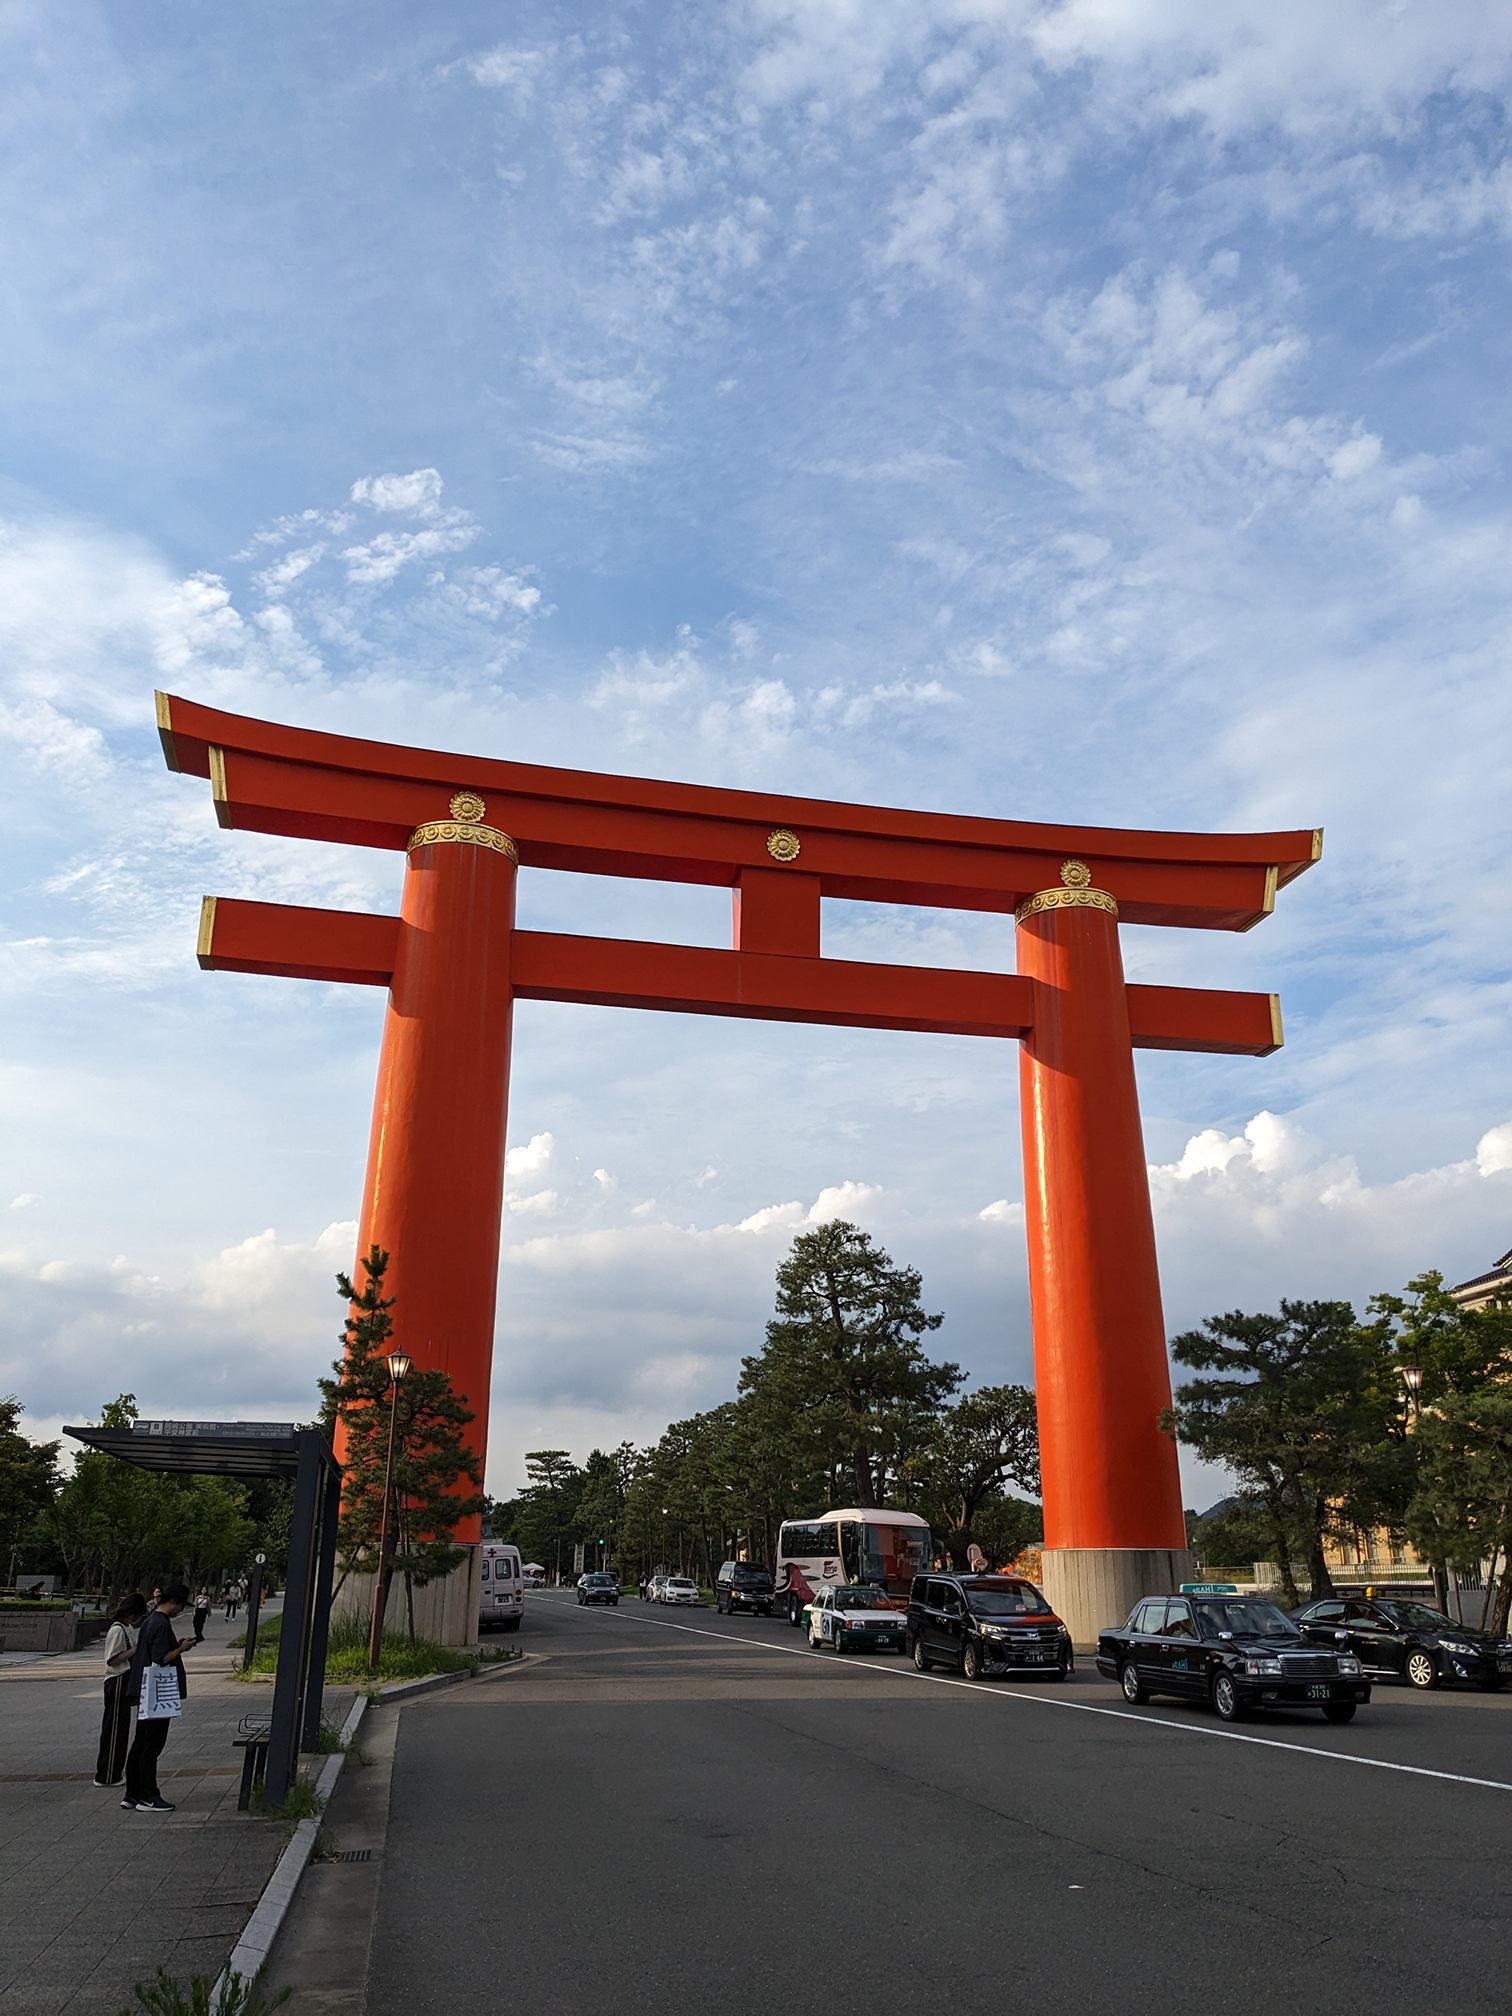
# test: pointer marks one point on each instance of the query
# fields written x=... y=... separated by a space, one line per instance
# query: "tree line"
x=841 y=1406
x=1334 y=1426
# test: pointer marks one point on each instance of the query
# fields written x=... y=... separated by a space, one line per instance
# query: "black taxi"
x=1401 y=1640
x=1209 y=1643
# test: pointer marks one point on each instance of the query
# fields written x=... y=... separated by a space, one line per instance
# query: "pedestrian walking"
x=158 y=1646
x=201 y=1614
x=120 y=1643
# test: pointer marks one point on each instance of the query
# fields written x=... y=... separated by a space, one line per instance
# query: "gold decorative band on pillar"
x=1075 y=893
x=466 y=827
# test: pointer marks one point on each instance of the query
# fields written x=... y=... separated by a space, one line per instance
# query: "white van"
x=501 y=1591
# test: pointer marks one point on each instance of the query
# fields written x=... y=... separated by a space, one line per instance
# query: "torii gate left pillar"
x=454 y=963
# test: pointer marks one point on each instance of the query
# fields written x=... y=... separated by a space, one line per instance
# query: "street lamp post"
x=399 y=1368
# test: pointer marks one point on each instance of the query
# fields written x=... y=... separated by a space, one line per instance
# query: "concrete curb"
x=261 y=1929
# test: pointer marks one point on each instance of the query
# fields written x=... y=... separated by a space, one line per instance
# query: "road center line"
x=1079 y=1707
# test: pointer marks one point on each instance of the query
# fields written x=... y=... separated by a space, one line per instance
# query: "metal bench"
x=253 y=1741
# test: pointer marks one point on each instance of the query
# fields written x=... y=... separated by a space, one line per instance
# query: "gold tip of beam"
x=1267 y=901
x=218 y=785
x=204 y=951
x=1317 y=843
x=1278 y=1035
x=164 y=707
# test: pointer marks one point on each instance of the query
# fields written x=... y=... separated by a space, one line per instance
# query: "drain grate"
x=354 y=1855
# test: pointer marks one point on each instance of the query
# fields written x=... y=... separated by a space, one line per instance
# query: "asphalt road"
x=673 y=1811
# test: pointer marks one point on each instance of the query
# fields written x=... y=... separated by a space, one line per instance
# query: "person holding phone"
x=157 y=1645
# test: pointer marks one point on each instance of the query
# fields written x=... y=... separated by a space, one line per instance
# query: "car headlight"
x=1458 y=1645
x=1270 y=1667
x=1348 y=1663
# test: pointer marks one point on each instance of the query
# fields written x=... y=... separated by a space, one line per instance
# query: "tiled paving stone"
x=93 y=1899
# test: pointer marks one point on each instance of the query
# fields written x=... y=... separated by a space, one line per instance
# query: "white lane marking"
x=1083 y=1708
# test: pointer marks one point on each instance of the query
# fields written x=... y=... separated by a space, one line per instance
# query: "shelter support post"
x=1112 y=1490
x=320 y=1616
x=294 y=1628
x=434 y=1193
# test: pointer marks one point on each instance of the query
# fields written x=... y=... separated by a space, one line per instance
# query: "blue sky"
x=1092 y=411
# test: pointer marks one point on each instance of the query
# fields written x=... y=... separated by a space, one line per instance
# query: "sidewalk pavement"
x=93 y=1899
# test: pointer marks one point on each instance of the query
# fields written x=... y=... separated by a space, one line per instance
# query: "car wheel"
x=971 y=1660
x=837 y=1643
x=921 y=1659
x=1422 y=1670
x=1226 y=1699
x=795 y=1611
x=1339 y=1711
x=1134 y=1689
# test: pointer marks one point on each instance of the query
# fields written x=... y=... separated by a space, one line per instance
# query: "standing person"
x=120 y=1643
x=157 y=1645
x=233 y=1596
x=201 y=1614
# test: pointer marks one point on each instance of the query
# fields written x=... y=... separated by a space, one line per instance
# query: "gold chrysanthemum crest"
x=468 y=806
x=784 y=846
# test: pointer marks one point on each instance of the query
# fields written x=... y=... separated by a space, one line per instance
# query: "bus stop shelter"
x=264 y=1449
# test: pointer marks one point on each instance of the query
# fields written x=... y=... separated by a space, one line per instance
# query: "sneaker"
x=128 y=1805
x=153 y=1806
x=103 y=1784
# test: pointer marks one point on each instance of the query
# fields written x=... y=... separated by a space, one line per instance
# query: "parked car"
x=853 y=1618
x=1238 y=1652
x=985 y=1625
x=598 y=1588
x=1396 y=1640
x=744 y=1585
x=656 y=1587
x=679 y=1589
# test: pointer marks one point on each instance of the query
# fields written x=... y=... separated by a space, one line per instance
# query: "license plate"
x=1319 y=1692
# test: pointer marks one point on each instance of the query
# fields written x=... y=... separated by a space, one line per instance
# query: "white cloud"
x=840 y=1200
x=533 y=1158
x=26 y=1198
x=1002 y=1212
x=418 y=493
x=1493 y=1152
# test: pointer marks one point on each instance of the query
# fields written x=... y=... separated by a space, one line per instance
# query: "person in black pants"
x=120 y=1642
x=201 y=1613
x=158 y=1645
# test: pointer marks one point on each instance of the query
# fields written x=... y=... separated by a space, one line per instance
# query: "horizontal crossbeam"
x=352 y=946
x=271 y=779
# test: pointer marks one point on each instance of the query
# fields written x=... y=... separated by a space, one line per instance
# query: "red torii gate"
x=454 y=964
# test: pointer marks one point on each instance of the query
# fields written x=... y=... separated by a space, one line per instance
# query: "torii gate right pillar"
x=1114 y=1529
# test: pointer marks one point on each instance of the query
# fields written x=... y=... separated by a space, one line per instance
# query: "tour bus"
x=501 y=1588
x=865 y=1544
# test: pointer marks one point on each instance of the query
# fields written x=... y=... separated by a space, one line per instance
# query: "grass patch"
x=300 y=1802
x=347 y=1655
x=238 y=1997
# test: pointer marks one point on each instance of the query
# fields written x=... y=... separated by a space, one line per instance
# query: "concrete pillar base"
x=1093 y=1588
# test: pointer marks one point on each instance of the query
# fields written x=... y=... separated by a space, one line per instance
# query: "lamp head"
x=400 y=1365
x=1412 y=1375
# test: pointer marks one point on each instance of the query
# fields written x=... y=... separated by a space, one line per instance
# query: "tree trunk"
x=1283 y=1553
x=1503 y=1600
x=861 y=1470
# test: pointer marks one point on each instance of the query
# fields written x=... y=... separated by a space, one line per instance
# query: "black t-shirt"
x=156 y=1645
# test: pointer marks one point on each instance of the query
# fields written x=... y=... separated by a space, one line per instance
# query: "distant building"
x=1486 y=1288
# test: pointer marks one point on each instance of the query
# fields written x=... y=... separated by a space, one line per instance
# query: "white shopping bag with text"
x=160 y=1694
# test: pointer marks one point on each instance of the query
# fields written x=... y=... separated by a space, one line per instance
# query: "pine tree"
x=433 y=1468
x=842 y=1360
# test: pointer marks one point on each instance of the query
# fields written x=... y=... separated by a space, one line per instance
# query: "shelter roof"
x=204 y=1448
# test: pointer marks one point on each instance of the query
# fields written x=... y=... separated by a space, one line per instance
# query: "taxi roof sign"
x=1210 y=1588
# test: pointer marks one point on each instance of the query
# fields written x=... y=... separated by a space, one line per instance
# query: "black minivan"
x=985 y=1624
x=744 y=1585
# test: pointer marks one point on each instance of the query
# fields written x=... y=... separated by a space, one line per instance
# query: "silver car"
x=679 y=1589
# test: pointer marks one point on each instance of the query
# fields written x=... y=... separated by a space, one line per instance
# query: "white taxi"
x=855 y=1618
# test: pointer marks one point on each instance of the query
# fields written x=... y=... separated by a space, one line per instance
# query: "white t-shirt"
x=120 y=1643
